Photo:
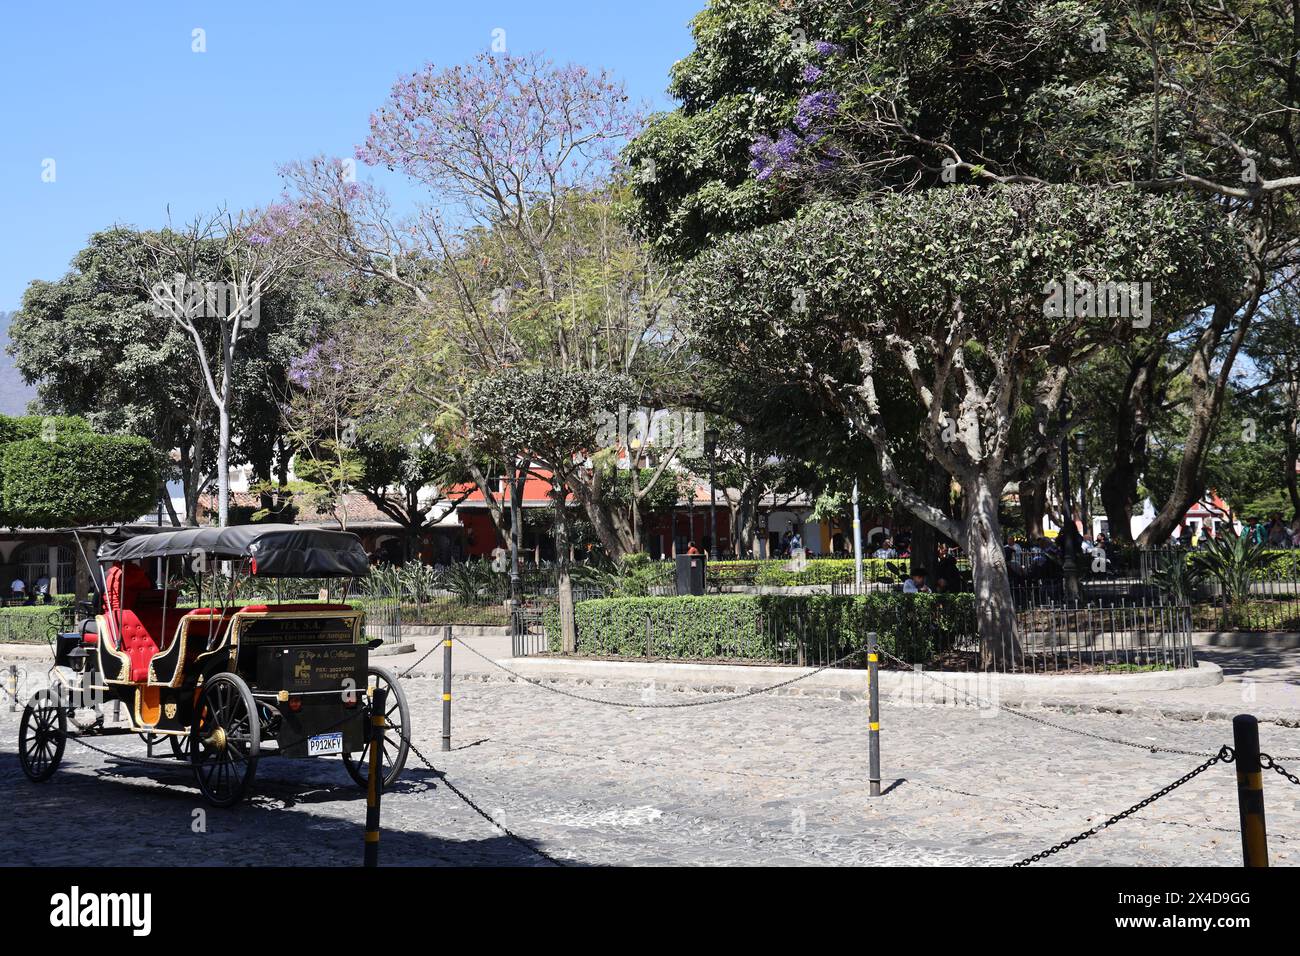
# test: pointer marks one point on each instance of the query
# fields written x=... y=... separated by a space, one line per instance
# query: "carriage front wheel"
x=42 y=735
x=397 y=734
x=225 y=740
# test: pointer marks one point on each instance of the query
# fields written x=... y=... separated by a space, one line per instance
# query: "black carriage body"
x=318 y=690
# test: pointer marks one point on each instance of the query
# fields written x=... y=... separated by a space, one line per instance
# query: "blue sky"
x=136 y=122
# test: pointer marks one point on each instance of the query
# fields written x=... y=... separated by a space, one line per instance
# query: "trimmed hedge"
x=35 y=623
x=79 y=479
x=773 y=573
x=814 y=628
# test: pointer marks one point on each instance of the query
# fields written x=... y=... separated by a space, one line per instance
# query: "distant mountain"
x=14 y=393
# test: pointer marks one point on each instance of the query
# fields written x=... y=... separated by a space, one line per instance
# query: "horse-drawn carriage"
x=223 y=684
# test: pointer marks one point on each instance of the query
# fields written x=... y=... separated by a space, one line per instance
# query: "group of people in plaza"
x=1276 y=533
x=39 y=594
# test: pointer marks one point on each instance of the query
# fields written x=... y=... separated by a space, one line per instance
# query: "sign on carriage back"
x=291 y=629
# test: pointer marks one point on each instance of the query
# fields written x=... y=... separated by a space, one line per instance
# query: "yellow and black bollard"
x=446 y=688
x=873 y=693
x=1250 y=790
x=375 y=784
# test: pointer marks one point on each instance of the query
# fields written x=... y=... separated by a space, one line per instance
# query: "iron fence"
x=1116 y=638
x=944 y=636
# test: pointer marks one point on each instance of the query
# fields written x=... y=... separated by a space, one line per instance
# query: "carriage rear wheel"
x=42 y=735
x=397 y=735
x=225 y=740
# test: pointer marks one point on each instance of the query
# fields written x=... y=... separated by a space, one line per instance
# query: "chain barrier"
x=469 y=802
x=1225 y=755
x=1270 y=763
x=673 y=706
x=403 y=675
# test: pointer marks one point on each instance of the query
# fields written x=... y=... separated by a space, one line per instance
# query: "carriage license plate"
x=325 y=744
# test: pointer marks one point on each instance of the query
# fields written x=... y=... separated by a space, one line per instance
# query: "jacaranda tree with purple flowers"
x=517 y=260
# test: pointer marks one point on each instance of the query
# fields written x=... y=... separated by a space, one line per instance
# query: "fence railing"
x=1076 y=639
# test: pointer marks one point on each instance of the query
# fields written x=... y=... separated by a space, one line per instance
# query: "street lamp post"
x=857 y=539
x=1080 y=443
x=1069 y=567
x=710 y=449
x=690 y=516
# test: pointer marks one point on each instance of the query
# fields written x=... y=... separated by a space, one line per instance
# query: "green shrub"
x=815 y=628
x=36 y=623
x=819 y=571
x=80 y=479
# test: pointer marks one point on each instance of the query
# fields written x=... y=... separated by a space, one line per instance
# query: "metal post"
x=375 y=784
x=713 y=515
x=1069 y=567
x=516 y=532
x=857 y=540
x=873 y=689
x=1250 y=790
x=13 y=687
x=446 y=688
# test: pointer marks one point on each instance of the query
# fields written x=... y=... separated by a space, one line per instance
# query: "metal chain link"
x=1225 y=755
x=1270 y=763
x=469 y=801
x=673 y=706
x=1034 y=718
x=403 y=675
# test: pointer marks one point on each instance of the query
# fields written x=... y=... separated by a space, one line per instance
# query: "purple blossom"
x=816 y=106
x=812 y=73
x=826 y=48
x=775 y=155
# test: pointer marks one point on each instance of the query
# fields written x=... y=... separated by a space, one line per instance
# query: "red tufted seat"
x=136 y=614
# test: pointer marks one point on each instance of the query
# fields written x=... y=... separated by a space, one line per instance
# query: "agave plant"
x=419 y=582
x=1233 y=561
x=1177 y=577
x=469 y=580
x=383 y=580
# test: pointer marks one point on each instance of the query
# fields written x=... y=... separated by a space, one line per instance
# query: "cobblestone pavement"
x=770 y=780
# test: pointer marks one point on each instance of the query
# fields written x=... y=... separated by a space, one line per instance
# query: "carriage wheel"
x=42 y=736
x=225 y=740
x=397 y=736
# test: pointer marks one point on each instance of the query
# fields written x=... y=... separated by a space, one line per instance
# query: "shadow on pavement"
x=97 y=814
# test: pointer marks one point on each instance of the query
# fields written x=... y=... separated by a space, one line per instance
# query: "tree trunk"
x=995 y=612
x=1119 y=485
x=1289 y=442
x=1033 y=505
x=223 y=467
x=568 y=622
x=1207 y=391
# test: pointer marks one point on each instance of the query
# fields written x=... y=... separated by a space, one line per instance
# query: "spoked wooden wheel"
x=225 y=740
x=397 y=735
x=42 y=736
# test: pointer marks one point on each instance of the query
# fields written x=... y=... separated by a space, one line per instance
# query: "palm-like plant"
x=418 y=581
x=468 y=580
x=1177 y=577
x=1233 y=561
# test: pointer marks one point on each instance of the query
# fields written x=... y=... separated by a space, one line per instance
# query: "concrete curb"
x=391 y=650
x=458 y=631
x=1248 y=640
x=931 y=687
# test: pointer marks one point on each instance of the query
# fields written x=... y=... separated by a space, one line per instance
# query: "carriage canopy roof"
x=277 y=550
